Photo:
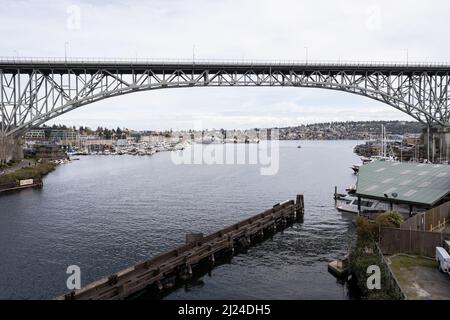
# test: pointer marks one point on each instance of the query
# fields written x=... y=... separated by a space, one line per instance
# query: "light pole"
x=306 y=54
x=65 y=50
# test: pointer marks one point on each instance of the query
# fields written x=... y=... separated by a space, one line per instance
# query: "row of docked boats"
x=141 y=149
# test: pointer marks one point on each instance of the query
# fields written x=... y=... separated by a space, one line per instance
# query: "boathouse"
x=417 y=185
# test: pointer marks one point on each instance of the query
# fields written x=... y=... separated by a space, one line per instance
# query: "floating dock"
x=339 y=268
x=159 y=272
x=15 y=186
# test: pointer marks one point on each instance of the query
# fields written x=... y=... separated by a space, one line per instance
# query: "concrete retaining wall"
x=10 y=149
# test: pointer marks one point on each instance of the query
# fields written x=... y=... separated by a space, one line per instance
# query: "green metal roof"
x=414 y=183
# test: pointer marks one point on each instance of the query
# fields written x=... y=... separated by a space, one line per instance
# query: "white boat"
x=366 y=160
x=350 y=204
x=381 y=157
x=207 y=140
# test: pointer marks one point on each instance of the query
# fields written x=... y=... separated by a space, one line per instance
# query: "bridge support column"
x=10 y=149
x=436 y=141
x=444 y=137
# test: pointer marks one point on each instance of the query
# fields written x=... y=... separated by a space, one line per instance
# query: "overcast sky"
x=332 y=30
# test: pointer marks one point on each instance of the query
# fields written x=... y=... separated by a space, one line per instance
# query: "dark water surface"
x=105 y=213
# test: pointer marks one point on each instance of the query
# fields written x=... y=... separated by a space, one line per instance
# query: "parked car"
x=443 y=259
x=447 y=245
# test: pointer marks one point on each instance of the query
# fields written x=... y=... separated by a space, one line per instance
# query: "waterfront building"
x=417 y=185
x=412 y=138
x=121 y=142
x=49 y=152
x=64 y=136
x=36 y=134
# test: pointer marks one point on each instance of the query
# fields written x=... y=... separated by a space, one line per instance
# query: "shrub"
x=365 y=253
x=389 y=219
x=366 y=230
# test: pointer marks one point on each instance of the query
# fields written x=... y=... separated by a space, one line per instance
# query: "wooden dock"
x=179 y=262
x=15 y=186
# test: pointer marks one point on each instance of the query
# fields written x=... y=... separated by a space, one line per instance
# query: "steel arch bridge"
x=34 y=91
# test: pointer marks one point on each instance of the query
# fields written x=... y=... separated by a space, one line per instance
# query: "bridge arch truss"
x=33 y=92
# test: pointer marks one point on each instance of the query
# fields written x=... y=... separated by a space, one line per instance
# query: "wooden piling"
x=300 y=208
x=162 y=271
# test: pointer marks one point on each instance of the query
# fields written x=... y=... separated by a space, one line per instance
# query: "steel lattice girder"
x=33 y=93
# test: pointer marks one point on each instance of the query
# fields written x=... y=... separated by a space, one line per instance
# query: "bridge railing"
x=243 y=62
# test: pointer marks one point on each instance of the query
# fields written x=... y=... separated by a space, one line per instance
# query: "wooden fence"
x=430 y=220
x=422 y=243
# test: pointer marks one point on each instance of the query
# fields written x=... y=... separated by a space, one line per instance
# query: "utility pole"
x=428 y=144
x=401 y=150
x=306 y=54
x=65 y=50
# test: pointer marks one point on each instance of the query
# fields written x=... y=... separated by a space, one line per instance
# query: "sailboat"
x=381 y=155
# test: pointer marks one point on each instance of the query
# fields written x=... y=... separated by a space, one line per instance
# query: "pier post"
x=300 y=202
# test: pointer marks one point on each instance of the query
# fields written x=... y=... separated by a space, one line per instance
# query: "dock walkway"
x=179 y=262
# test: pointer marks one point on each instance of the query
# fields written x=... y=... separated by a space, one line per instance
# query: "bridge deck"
x=48 y=65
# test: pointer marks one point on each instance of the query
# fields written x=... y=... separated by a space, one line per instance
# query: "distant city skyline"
x=334 y=123
x=282 y=30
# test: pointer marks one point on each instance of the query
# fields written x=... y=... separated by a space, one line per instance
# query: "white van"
x=443 y=258
x=447 y=245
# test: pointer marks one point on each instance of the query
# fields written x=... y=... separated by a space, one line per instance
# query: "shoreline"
x=27 y=177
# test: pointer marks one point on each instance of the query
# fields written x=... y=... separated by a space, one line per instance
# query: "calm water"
x=104 y=213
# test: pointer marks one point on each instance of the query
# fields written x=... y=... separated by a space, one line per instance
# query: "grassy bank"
x=420 y=278
x=33 y=172
x=400 y=263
